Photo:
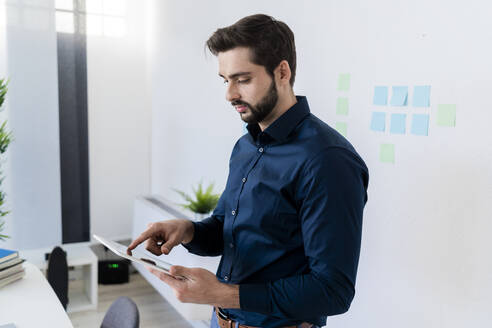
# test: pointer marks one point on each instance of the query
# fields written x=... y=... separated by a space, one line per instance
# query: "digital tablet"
x=120 y=250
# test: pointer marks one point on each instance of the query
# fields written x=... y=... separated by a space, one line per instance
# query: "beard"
x=263 y=108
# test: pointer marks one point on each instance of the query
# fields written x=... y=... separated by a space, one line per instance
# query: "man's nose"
x=232 y=93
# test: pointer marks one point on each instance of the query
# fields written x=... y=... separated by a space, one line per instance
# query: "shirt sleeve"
x=330 y=195
x=208 y=239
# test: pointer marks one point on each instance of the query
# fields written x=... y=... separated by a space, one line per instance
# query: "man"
x=288 y=225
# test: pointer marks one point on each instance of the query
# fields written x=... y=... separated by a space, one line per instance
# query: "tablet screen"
x=120 y=250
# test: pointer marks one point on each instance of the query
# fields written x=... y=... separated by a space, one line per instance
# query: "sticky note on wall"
x=398 y=123
x=446 y=115
x=380 y=96
x=387 y=153
x=421 y=96
x=420 y=124
x=399 y=96
x=378 y=121
x=343 y=82
x=341 y=127
x=342 y=106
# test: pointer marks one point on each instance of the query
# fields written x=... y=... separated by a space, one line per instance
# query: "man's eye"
x=226 y=82
x=243 y=81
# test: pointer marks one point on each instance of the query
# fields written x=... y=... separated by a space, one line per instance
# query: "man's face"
x=250 y=89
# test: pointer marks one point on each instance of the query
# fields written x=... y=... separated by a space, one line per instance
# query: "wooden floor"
x=154 y=310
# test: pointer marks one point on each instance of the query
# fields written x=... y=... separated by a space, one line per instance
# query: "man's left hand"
x=196 y=285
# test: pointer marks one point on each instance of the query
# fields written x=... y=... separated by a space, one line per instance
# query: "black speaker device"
x=113 y=272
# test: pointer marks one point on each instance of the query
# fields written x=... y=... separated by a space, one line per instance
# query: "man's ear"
x=283 y=72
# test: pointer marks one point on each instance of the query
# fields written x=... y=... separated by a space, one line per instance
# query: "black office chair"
x=123 y=313
x=58 y=274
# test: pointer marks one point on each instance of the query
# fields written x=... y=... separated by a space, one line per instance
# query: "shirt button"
x=244 y=180
x=233 y=212
x=231 y=245
x=226 y=278
x=260 y=150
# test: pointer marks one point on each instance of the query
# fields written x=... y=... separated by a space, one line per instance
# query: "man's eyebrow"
x=235 y=75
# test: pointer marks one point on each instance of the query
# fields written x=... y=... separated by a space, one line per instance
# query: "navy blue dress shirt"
x=288 y=224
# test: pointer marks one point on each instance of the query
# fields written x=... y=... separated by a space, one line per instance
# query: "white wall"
x=34 y=174
x=425 y=240
x=193 y=128
x=425 y=254
x=119 y=122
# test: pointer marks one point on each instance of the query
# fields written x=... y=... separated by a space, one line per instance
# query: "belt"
x=225 y=322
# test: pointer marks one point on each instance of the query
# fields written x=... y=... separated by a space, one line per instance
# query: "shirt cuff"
x=254 y=298
x=194 y=244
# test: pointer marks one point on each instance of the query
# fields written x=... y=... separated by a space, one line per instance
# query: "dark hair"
x=270 y=40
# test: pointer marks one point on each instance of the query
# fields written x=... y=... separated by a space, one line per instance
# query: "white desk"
x=31 y=302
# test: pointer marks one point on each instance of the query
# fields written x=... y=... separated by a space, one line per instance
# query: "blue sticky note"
x=380 y=96
x=420 y=124
x=398 y=123
x=421 y=96
x=378 y=121
x=400 y=96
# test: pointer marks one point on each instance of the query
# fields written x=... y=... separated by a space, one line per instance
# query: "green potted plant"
x=5 y=140
x=203 y=201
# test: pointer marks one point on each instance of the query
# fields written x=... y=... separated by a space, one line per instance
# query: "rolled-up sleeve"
x=330 y=195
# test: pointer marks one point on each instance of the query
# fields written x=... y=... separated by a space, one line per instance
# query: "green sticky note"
x=446 y=115
x=387 y=153
x=343 y=82
x=342 y=106
x=341 y=127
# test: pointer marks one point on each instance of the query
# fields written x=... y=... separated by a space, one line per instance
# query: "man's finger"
x=167 y=246
x=152 y=246
x=168 y=279
x=179 y=271
x=140 y=239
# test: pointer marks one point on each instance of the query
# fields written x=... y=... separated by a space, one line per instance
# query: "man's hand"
x=163 y=236
x=196 y=285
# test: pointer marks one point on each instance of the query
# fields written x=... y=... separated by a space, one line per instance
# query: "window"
x=93 y=17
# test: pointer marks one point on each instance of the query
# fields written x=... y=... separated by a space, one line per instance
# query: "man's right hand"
x=162 y=236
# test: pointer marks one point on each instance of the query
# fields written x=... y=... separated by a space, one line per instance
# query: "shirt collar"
x=286 y=123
